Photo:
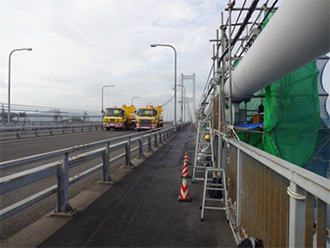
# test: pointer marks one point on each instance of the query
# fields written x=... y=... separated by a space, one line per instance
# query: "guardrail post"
x=141 y=155
x=128 y=163
x=106 y=179
x=160 y=137
x=17 y=133
x=156 y=142
x=149 y=143
x=62 y=206
x=296 y=223
x=321 y=224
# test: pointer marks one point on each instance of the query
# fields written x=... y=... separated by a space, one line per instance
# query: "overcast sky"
x=81 y=45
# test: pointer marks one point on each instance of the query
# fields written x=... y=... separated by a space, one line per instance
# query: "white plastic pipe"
x=297 y=34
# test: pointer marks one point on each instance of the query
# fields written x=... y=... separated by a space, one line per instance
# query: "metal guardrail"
x=274 y=200
x=28 y=115
x=61 y=168
x=47 y=129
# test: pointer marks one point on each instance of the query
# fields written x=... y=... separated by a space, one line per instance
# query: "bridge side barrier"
x=149 y=143
x=273 y=199
x=33 y=158
x=141 y=155
x=46 y=129
x=105 y=161
x=156 y=141
x=62 y=167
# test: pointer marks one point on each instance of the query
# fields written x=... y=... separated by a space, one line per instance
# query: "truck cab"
x=148 y=118
x=119 y=118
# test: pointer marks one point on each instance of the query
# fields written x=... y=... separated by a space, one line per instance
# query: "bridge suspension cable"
x=163 y=105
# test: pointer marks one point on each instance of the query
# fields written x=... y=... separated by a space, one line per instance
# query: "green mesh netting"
x=252 y=138
x=292 y=116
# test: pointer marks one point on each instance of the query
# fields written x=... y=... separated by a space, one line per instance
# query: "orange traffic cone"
x=186 y=158
x=184 y=193
x=185 y=171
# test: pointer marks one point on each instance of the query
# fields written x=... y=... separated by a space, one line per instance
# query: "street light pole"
x=9 y=64
x=136 y=97
x=183 y=107
x=108 y=85
x=175 y=68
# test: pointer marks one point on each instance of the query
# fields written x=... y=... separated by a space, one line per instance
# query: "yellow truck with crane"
x=119 y=118
x=149 y=118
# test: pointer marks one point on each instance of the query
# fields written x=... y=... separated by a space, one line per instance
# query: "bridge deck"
x=142 y=209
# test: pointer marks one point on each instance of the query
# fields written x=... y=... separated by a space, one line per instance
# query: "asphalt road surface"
x=19 y=148
x=143 y=210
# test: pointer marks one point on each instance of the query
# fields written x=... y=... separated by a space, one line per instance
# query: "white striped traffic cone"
x=186 y=159
x=185 y=171
x=184 y=193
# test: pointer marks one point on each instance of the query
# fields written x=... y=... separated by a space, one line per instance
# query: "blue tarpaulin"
x=250 y=126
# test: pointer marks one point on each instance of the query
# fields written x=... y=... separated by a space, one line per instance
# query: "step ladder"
x=203 y=160
x=215 y=191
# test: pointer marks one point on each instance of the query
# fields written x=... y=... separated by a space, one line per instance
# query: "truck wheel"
x=107 y=128
x=139 y=130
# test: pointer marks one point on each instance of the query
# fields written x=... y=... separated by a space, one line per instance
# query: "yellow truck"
x=119 y=118
x=149 y=118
